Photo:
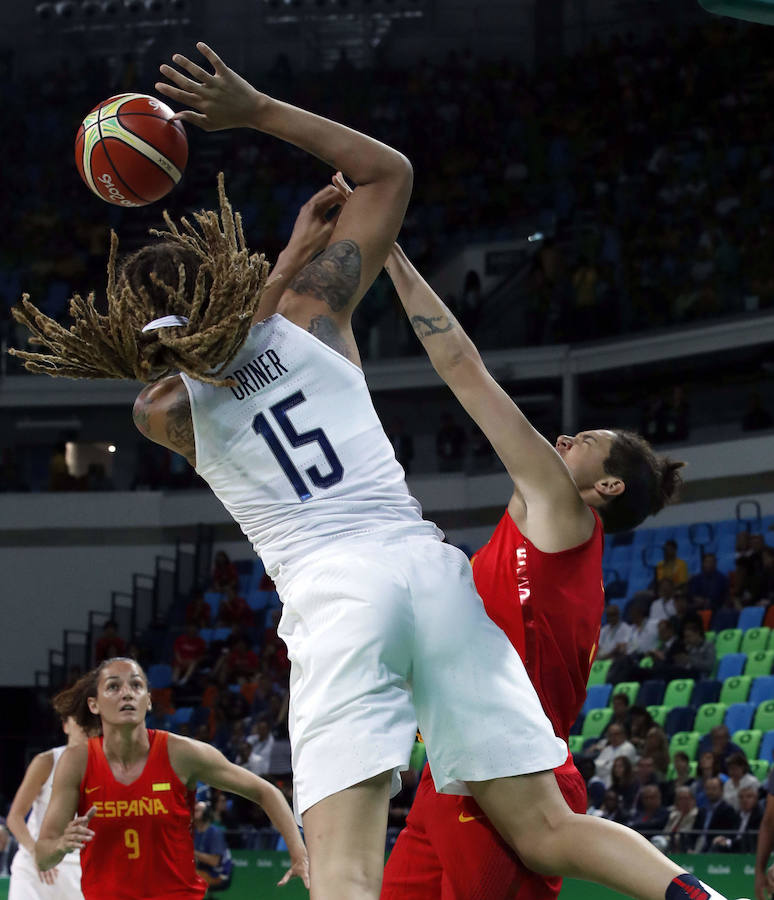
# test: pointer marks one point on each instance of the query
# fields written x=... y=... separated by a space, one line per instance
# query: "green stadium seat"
x=771 y=637
x=749 y=740
x=678 y=692
x=595 y=722
x=630 y=688
x=764 y=716
x=710 y=636
x=687 y=741
x=755 y=639
x=672 y=771
x=598 y=673
x=708 y=715
x=760 y=769
x=646 y=662
x=575 y=743
x=728 y=641
x=658 y=713
x=759 y=663
x=735 y=689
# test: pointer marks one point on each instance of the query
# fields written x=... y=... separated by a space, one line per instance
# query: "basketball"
x=129 y=152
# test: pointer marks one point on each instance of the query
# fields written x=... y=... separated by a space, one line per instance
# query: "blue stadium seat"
x=182 y=715
x=214 y=598
x=706 y=692
x=739 y=716
x=651 y=692
x=679 y=718
x=731 y=664
x=206 y=634
x=220 y=634
x=766 y=749
x=159 y=676
x=259 y=599
x=750 y=617
x=597 y=696
x=762 y=689
x=725 y=618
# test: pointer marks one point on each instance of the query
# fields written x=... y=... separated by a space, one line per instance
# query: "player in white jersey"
x=30 y=803
x=383 y=625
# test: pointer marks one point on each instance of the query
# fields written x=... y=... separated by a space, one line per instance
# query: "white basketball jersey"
x=296 y=452
x=40 y=805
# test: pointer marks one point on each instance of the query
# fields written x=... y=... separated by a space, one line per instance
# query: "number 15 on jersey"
x=263 y=427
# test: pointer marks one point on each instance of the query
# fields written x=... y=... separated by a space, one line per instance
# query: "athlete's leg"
x=532 y=816
x=345 y=836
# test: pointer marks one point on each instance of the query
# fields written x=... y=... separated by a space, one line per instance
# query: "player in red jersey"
x=540 y=576
x=550 y=606
x=133 y=792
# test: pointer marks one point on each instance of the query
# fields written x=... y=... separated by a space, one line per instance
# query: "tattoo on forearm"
x=327 y=331
x=179 y=426
x=333 y=276
x=424 y=326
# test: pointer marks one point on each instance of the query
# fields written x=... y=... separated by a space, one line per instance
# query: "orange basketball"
x=129 y=152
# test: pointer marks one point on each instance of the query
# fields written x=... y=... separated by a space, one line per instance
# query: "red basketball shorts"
x=449 y=851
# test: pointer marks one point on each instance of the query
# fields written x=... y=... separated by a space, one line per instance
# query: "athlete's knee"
x=544 y=844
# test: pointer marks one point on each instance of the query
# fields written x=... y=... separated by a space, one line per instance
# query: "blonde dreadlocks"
x=205 y=274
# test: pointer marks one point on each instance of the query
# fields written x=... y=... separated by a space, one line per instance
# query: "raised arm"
x=546 y=504
x=372 y=217
x=34 y=778
x=60 y=833
x=195 y=761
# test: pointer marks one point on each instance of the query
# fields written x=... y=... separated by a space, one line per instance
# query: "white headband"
x=165 y=322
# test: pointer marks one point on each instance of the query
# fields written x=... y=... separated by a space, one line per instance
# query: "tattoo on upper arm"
x=141 y=415
x=333 y=276
x=424 y=326
x=179 y=425
x=326 y=330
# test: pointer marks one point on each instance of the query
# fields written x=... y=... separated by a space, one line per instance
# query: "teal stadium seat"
x=599 y=670
x=658 y=714
x=755 y=639
x=687 y=741
x=728 y=641
x=749 y=740
x=759 y=663
x=764 y=716
x=735 y=689
x=595 y=722
x=678 y=692
x=708 y=715
x=630 y=688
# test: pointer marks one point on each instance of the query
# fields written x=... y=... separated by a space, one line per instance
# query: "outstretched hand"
x=220 y=99
x=299 y=869
x=77 y=833
x=316 y=220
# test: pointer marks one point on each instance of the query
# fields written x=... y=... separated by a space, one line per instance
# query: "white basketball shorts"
x=385 y=636
x=25 y=882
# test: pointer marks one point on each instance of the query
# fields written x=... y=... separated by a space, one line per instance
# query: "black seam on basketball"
x=153 y=162
x=142 y=137
x=113 y=165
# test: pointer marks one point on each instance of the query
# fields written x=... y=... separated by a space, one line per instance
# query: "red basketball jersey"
x=143 y=840
x=550 y=605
